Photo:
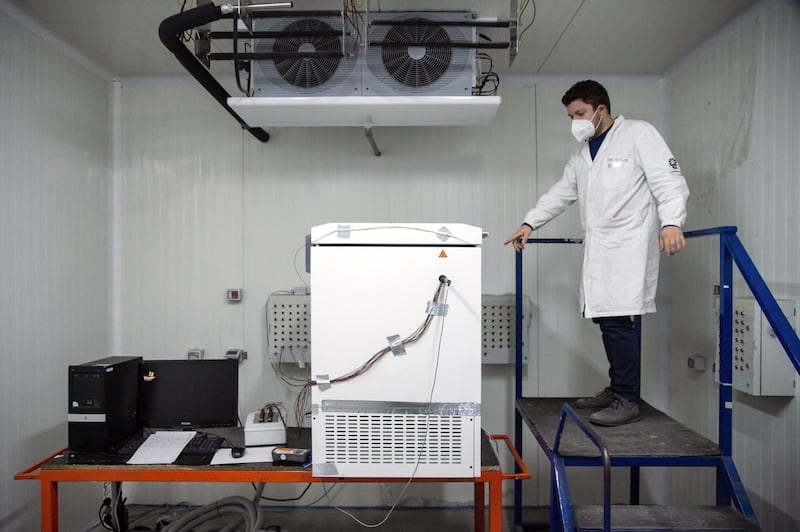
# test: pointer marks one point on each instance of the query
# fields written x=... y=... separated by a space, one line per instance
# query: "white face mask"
x=583 y=129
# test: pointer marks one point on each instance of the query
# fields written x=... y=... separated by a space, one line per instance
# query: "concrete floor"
x=333 y=520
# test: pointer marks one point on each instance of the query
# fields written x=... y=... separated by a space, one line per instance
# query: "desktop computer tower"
x=103 y=402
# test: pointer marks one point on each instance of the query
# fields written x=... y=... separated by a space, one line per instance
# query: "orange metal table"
x=49 y=474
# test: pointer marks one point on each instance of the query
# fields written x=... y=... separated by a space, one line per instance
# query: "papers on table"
x=162 y=447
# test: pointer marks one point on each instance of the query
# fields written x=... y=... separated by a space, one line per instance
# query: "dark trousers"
x=621 y=340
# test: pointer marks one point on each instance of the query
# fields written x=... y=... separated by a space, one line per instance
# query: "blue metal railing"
x=567 y=411
x=731 y=251
x=736 y=251
x=518 y=358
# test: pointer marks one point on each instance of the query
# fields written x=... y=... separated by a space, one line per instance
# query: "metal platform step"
x=647 y=518
x=656 y=435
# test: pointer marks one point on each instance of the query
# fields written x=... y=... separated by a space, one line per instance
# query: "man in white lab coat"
x=632 y=197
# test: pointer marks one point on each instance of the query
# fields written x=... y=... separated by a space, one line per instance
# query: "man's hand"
x=671 y=240
x=520 y=237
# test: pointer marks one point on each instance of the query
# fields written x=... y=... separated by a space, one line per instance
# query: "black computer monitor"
x=189 y=394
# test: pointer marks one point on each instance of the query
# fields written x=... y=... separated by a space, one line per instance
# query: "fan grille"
x=307 y=72
x=420 y=64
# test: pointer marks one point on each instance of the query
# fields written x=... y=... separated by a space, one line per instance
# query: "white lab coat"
x=632 y=189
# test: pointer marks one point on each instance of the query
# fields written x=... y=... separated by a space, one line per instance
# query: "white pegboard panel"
x=499 y=327
x=288 y=327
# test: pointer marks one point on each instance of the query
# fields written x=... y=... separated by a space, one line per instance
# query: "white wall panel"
x=202 y=206
x=733 y=125
x=181 y=222
x=53 y=257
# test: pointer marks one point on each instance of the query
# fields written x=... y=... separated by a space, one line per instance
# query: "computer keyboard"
x=203 y=443
x=129 y=446
x=200 y=443
x=198 y=451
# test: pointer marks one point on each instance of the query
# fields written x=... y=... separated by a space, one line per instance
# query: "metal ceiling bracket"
x=371 y=139
x=513 y=38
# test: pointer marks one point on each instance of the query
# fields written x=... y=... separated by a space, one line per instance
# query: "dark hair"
x=590 y=92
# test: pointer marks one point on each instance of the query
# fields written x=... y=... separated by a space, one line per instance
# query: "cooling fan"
x=425 y=60
x=422 y=53
x=306 y=72
x=293 y=73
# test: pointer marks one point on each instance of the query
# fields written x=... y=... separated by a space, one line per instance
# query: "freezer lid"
x=420 y=234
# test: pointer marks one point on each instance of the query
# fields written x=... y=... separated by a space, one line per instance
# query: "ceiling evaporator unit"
x=343 y=68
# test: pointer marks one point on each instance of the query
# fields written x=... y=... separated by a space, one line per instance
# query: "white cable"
x=294 y=264
x=325 y=491
x=419 y=453
x=421 y=230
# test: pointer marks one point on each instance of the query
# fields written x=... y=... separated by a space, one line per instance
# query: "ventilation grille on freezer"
x=393 y=439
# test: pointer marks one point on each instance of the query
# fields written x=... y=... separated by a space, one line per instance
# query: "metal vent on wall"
x=393 y=439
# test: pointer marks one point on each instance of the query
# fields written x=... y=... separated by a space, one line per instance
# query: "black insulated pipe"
x=170 y=30
x=472 y=45
x=276 y=13
x=273 y=34
x=464 y=23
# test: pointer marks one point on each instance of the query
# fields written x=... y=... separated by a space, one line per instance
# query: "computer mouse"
x=237 y=452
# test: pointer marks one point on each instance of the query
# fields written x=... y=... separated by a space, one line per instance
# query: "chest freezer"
x=396 y=350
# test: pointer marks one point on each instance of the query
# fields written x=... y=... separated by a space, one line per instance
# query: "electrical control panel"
x=760 y=364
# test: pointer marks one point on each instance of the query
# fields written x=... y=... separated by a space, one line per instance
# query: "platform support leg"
x=517 y=483
x=561 y=517
x=725 y=429
x=735 y=487
x=480 y=505
x=49 y=510
x=496 y=505
x=635 y=485
x=555 y=516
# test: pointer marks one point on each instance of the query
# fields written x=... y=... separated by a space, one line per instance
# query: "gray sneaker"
x=620 y=412
x=600 y=400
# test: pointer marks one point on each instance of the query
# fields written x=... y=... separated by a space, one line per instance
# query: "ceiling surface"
x=627 y=37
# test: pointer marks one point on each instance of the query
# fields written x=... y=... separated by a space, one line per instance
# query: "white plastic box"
x=263 y=433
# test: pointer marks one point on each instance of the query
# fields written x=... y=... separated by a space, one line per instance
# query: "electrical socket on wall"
x=697 y=362
x=236 y=354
